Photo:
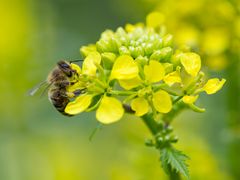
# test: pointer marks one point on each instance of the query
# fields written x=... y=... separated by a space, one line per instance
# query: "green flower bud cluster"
x=141 y=42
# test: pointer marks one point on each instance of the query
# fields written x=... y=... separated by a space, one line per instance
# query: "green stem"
x=121 y=93
x=154 y=129
x=100 y=83
x=178 y=99
x=164 y=87
x=150 y=123
x=156 y=87
x=173 y=175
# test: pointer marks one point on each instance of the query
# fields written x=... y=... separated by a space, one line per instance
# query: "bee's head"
x=66 y=68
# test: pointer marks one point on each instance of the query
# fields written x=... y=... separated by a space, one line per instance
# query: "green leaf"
x=174 y=160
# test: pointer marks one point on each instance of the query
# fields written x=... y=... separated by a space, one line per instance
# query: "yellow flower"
x=213 y=85
x=155 y=19
x=140 y=106
x=86 y=50
x=130 y=83
x=154 y=72
x=89 y=64
x=76 y=68
x=79 y=105
x=162 y=101
x=191 y=62
x=190 y=99
x=124 y=68
x=173 y=77
x=76 y=86
x=110 y=110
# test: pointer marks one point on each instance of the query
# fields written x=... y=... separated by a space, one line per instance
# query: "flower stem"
x=178 y=99
x=150 y=123
x=121 y=93
x=173 y=175
x=153 y=126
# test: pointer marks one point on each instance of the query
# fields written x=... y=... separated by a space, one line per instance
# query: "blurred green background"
x=38 y=143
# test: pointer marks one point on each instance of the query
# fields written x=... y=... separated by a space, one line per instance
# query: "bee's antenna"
x=76 y=60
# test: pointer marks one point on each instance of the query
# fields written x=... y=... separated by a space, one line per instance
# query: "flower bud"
x=168 y=67
x=167 y=40
x=103 y=46
x=133 y=51
x=121 y=32
x=169 y=129
x=123 y=50
x=149 y=142
x=85 y=50
x=148 y=49
x=108 y=59
x=162 y=55
x=114 y=43
x=158 y=43
x=174 y=138
x=166 y=138
x=160 y=139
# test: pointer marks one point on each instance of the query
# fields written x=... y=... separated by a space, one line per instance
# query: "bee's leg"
x=75 y=93
x=70 y=94
x=80 y=91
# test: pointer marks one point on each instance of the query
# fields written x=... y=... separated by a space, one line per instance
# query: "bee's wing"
x=41 y=86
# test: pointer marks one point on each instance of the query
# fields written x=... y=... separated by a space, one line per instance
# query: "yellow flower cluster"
x=139 y=64
x=210 y=26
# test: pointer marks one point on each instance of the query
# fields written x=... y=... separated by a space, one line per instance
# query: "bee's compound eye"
x=63 y=64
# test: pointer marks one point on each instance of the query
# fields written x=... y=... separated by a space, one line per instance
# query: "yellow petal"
x=213 y=85
x=110 y=110
x=76 y=67
x=155 y=19
x=130 y=83
x=154 y=72
x=190 y=99
x=89 y=62
x=173 y=77
x=76 y=86
x=162 y=101
x=79 y=105
x=86 y=50
x=191 y=62
x=124 y=68
x=140 y=106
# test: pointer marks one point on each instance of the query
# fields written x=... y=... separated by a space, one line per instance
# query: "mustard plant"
x=137 y=70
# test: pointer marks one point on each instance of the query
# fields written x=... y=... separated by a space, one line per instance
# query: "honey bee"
x=63 y=75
